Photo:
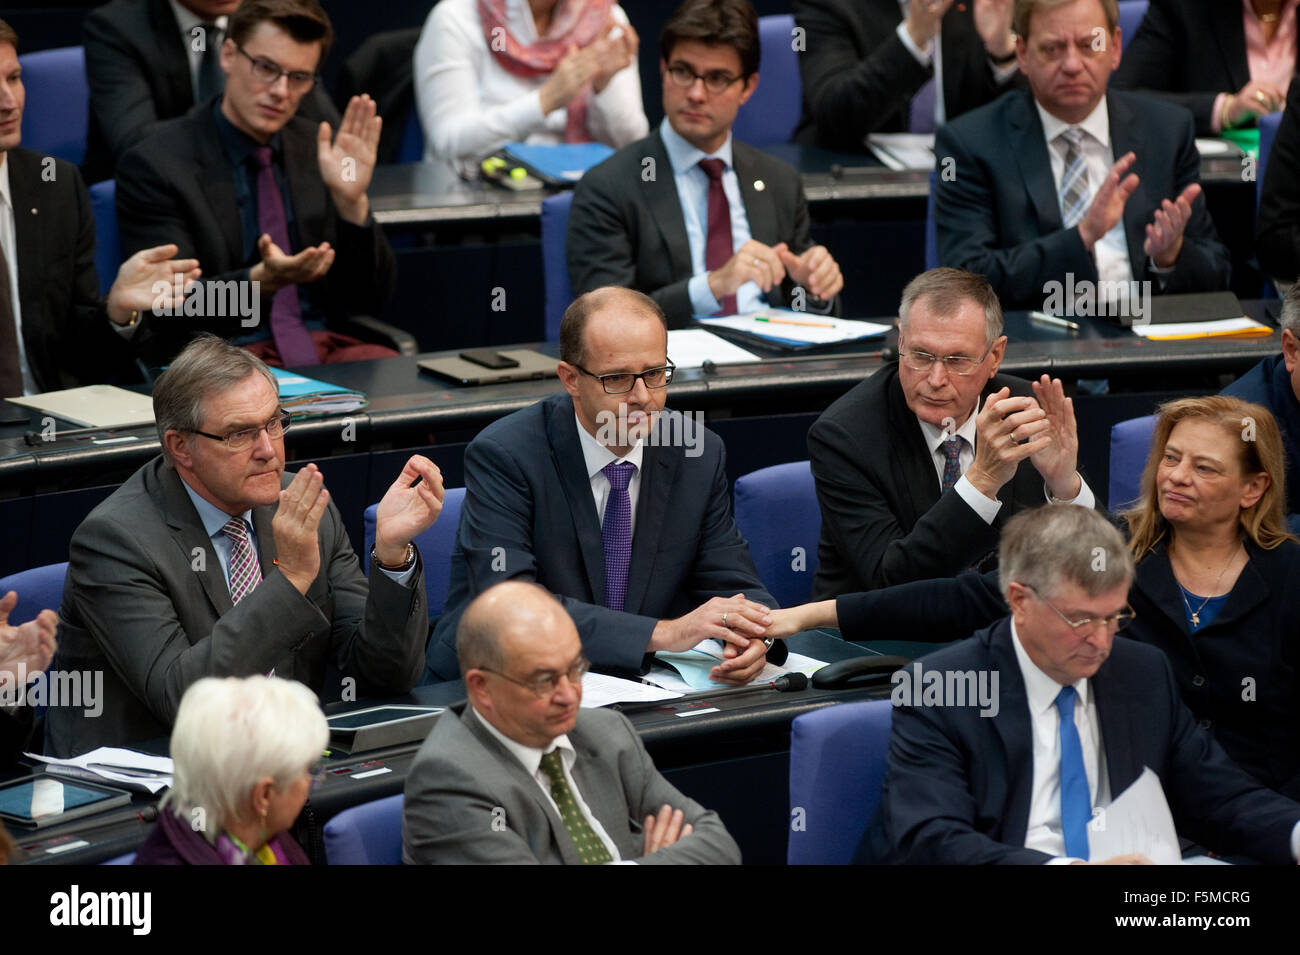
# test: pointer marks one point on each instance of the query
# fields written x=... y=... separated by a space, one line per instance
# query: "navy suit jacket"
x=1269 y=384
x=1000 y=215
x=958 y=784
x=529 y=515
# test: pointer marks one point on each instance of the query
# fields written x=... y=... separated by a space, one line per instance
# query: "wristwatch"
x=407 y=563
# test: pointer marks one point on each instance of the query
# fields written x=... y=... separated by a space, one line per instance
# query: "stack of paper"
x=692 y=347
x=901 y=151
x=1219 y=328
x=300 y=395
x=788 y=327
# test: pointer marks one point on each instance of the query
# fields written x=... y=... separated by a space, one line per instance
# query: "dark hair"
x=1025 y=10
x=8 y=35
x=304 y=20
x=573 y=325
x=730 y=23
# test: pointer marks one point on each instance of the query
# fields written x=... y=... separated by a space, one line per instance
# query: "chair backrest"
x=127 y=859
x=368 y=834
x=931 y=234
x=838 y=756
x=38 y=588
x=1130 y=443
x=411 y=148
x=435 y=547
x=555 y=266
x=1268 y=124
x=773 y=111
x=1131 y=13
x=108 y=244
x=778 y=515
x=56 y=118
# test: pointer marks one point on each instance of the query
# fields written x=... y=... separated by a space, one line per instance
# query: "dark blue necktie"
x=1076 y=804
x=616 y=532
x=951 y=461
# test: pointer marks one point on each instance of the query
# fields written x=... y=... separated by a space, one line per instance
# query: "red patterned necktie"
x=245 y=572
x=717 y=246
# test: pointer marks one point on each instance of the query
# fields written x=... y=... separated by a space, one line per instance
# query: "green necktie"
x=590 y=849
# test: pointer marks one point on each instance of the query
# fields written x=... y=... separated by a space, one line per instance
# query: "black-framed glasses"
x=1081 y=625
x=961 y=365
x=544 y=684
x=621 y=382
x=269 y=72
x=715 y=81
x=243 y=440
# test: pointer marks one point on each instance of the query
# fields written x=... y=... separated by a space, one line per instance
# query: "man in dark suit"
x=148 y=61
x=1193 y=53
x=1277 y=227
x=211 y=561
x=701 y=223
x=275 y=210
x=1075 y=717
x=1066 y=186
x=614 y=505
x=872 y=66
x=520 y=774
x=918 y=466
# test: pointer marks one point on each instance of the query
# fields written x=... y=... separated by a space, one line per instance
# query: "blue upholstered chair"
x=773 y=111
x=435 y=547
x=108 y=244
x=1131 y=13
x=1130 y=442
x=777 y=511
x=56 y=118
x=368 y=834
x=555 y=267
x=1267 y=133
x=127 y=859
x=38 y=588
x=411 y=149
x=837 y=768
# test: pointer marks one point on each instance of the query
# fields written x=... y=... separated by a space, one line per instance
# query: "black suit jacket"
x=1187 y=52
x=529 y=515
x=958 y=785
x=1000 y=215
x=66 y=331
x=859 y=78
x=138 y=69
x=15 y=730
x=1277 y=224
x=883 y=519
x=178 y=186
x=626 y=229
x=1269 y=384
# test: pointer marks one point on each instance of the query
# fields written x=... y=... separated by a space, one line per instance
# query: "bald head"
x=611 y=300
x=494 y=619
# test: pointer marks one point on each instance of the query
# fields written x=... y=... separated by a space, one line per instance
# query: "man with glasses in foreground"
x=263 y=196
x=210 y=561
x=619 y=508
x=472 y=794
x=919 y=465
x=701 y=223
x=1080 y=714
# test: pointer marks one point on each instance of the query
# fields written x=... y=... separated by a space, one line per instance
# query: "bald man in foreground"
x=521 y=775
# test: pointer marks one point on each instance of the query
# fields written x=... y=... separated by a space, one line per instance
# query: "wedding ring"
x=1259 y=95
x=724 y=618
x=755 y=260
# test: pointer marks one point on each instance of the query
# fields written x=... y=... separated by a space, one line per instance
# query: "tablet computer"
x=47 y=800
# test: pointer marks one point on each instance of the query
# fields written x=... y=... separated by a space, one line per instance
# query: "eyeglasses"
x=1117 y=620
x=960 y=365
x=715 y=81
x=269 y=72
x=317 y=773
x=621 y=382
x=544 y=684
x=243 y=440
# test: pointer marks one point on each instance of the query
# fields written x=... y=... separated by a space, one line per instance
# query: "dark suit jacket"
x=1187 y=52
x=625 y=229
x=178 y=186
x=1269 y=384
x=958 y=785
x=883 y=519
x=139 y=73
x=463 y=781
x=15 y=730
x=859 y=78
x=529 y=515
x=66 y=331
x=147 y=605
x=1277 y=224
x=1000 y=215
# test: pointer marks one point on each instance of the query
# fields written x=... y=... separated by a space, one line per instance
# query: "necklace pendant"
x=1196 y=620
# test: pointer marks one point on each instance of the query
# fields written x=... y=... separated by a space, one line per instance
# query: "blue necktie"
x=616 y=532
x=1076 y=804
x=951 y=461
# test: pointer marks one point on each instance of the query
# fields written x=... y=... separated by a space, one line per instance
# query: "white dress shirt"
x=9 y=248
x=530 y=758
x=470 y=106
x=188 y=20
x=596 y=456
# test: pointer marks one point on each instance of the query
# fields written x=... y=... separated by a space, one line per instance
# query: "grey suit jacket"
x=147 y=604
x=468 y=800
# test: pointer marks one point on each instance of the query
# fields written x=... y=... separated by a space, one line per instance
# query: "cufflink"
x=759 y=185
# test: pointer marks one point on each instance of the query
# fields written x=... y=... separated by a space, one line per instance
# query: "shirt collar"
x=935 y=436
x=213 y=517
x=188 y=20
x=238 y=145
x=530 y=757
x=1096 y=124
x=597 y=456
x=4 y=181
x=1040 y=689
x=683 y=156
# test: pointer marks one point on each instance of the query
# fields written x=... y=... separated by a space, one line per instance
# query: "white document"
x=1216 y=147
x=79 y=767
x=800 y=328
x=1138 y=820
x=94 y=406
x=901 y=151
x=798 y=663
x=1218 y=328
x=599 y=689
x=691 y=347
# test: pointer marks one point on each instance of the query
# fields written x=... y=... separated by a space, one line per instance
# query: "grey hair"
x=1290 y=320
x=207 y=366
x=478 y=635
x=946 y=290
x=234 y=731
x=1048 y=546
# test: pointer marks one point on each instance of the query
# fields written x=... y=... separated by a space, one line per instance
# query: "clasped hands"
x=739 y=622
x=1009 y=429
x=767 y=266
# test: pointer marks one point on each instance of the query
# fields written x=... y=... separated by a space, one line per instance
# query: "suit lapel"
x=1119 y=714
x=658 y=470
x=570 y=465
x=215 y=179
x=29 y=231
x=172 y=54
x=307 y=192
x=187 y=531
x=266 y=553
x=912 y=464
x=1127 y=135
x=601 y=794
x=660 y=194
x=1030 y=149
x=1014 y=729
x=759 y=209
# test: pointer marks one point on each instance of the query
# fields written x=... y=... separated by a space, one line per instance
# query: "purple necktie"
x=292 y=339
x=717 y=244
x=921 y=112
x=951 y=461
x=616 y=532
